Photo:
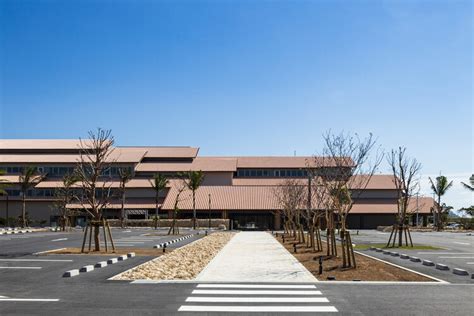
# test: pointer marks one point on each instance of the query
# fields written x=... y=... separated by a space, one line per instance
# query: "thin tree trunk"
x=23 y=211
x=96 y=238
x=194 y=210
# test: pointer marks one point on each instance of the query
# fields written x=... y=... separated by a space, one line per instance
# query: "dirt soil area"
x=118 y=251
x=367 y=269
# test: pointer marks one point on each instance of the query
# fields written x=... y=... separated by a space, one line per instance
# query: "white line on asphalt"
x=252 y=292
x=224 y=299
x=59 y=239
x=469 y=262
x=47 y=251
x=461 y=243
x=256 y=286
x=260 y=309
x=449 y=257
x=39 y=260
x=29 y=299
x=445 y=253
x=31 y=268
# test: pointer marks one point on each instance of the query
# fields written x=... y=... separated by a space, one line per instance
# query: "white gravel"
x=184 y=263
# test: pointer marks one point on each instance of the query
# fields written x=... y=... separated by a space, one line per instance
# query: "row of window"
x=271 y=173
x=62 y=171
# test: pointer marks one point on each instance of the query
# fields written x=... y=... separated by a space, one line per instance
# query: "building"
x=240 y=189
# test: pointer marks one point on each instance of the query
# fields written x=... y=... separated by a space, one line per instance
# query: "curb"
x=101 y=264
x=172 y=241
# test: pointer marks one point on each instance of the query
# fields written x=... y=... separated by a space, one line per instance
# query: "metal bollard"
x=206 y=232
x=283 y=236
x=164 y=248
x=294 y=247
x=320 y=271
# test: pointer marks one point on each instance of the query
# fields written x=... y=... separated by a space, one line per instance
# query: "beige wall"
x=218 y=178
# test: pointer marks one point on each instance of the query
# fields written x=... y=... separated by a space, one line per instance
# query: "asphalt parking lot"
x=457 y=251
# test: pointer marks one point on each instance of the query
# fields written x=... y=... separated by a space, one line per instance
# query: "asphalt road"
x=39 y=289
x=457 y=252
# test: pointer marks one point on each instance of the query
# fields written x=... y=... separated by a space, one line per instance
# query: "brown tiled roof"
x=200 y=163
x=168 y=152
x=39 y=143
x=119 y=155
x=377 y=182
x=10 y=179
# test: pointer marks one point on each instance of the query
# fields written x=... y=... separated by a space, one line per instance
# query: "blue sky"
x=244 y=77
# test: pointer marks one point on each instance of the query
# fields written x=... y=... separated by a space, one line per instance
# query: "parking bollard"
x=164 y=248
x=294 y=247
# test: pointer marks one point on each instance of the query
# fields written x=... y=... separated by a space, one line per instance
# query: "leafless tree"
x=94 y=162
x=291 y=196
x=65 y=194
x=346 y=168
x=405 y=171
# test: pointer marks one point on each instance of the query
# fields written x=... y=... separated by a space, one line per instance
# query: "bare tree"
x=194 y=180
x=405 y=172
x=291 y=196
x=94 y=162
x=346 y=169
x=125 y=176
x=65 y=194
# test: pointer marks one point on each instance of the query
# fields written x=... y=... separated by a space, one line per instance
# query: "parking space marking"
x=29 y=299
x=461 y=243
x=456 y=257
x=38 y=260
x=59 y=239
x=25 y=268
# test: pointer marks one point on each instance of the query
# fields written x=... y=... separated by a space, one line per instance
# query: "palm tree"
x=471 y=186
x=28 y=179
x=439 y=189
x=159 y=183
x=125 y=175
x=64 y=194
x=194 y=180
x=3 y=191
x=3 y=184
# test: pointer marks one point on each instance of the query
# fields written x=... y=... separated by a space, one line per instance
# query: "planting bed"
x=367 y=269
x=184 y=263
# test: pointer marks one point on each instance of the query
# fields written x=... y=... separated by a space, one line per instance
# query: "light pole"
x=209 y=211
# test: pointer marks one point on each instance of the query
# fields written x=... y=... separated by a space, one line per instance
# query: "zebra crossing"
x=248 y=298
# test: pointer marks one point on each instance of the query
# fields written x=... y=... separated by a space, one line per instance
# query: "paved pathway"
x=255 y=257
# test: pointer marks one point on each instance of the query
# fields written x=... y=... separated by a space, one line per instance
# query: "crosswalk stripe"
x=258 y=286
x=258 y=292
x=233 y=308
x=223 y=299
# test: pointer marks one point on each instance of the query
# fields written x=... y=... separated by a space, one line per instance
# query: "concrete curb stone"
x=443 y=267
x=71 y=273
x=101 y=264
x=428 y=263
x=460 y=271
x=87 y=268
x=404 y=256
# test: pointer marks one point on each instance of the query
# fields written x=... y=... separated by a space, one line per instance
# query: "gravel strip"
x=184 y=263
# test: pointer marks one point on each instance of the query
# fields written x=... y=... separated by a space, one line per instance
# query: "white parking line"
x=26 y=268
x=29 y=299
x=223 y=299
x=258 y=286
x=259 y=309
x=461 y=243
x=445 y=253
x=38 y=260
x=251 y=292
x=456 y=257
x=59 y=239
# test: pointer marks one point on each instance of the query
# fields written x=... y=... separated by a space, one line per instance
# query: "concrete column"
x=224 y=214
x=277 y=221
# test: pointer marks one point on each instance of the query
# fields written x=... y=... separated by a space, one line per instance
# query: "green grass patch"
x=415 y=247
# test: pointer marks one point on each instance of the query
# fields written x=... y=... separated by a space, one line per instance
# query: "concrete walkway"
x=255 y=257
